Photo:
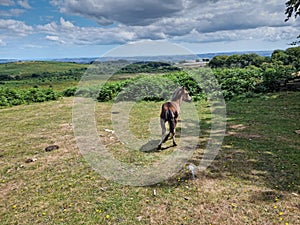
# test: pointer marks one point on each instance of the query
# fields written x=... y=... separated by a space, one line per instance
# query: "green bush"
x=148 y=89
x=273 y=75
x=148 y=67
x=10 y=97
x=111 y=89
x=69 y=92
x=235 y=82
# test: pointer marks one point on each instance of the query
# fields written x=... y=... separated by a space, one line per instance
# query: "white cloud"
x=66 y=32
x=33 y=46
x=15 y=28
x=7 y=2
x=214 y=14
x=11 y=12
x=270 y=34
x=2 y=43
x=52 y=38
x=130 y=12
x=55 y=39
x=24 y=4
x=66 y=24
x=193 y=21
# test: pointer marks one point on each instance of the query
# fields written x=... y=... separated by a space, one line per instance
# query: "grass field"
x=44 y=74
x=37 y=67
x=255 y=178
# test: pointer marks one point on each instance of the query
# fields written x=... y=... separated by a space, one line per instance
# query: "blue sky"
x=40 y=29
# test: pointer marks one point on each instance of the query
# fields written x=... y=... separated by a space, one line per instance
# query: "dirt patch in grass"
x=240 y=131
x=8 y=187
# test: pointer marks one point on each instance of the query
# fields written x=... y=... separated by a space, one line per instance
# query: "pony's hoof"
x=159 y=147
x=174 y=144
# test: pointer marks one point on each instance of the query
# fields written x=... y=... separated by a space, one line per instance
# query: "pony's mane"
x=176 y=94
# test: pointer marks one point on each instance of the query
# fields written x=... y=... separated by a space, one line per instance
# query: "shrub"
x=39 y=95
x=10 y=97
x=273 y=75
x=14 y=97
x=69 y=92
x=147 y=88
x=184 y=79
x=238 y=81
x=110 y=90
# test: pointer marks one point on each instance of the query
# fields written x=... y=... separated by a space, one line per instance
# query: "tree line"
x=289 y=57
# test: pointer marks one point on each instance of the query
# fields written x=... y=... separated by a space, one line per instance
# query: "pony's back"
x=169 y=114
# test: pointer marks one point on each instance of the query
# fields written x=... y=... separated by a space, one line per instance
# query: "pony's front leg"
x=163 y=132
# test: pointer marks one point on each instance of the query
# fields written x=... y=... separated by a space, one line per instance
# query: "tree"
x=294 y=56
x=280 y=56
x=288 y=57
x=218 y=61
x=292 y=8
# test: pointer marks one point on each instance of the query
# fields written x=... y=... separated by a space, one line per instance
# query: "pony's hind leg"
x=166 y=137
x=174 y=142
x=173 y=124
x=163 y=132
x=173 y=136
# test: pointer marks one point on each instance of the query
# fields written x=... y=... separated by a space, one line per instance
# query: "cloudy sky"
x=37 y=29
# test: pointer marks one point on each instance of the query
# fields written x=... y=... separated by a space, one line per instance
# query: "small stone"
x=110 y=131
x=51 y=148
x=28 y=160
x=154 y=192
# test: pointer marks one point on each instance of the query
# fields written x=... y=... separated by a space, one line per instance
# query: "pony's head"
x=182 y=93
x=186 y=96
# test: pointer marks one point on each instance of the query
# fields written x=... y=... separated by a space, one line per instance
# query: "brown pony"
x=170 y=112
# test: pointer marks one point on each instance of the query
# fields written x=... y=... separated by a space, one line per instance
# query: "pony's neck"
x=177 y=99
x=177 y=103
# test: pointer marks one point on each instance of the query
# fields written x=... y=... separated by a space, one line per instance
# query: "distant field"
x=63 y=75
x=37 y=67
x=43 y=74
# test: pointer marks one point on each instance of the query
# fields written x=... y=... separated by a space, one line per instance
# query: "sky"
x=40 y=29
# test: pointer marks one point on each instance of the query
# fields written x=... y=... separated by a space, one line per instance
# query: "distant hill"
x=34 y=69
x=8 y=60
x=167 y=58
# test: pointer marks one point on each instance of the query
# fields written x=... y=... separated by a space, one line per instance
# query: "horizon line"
x=99 y=57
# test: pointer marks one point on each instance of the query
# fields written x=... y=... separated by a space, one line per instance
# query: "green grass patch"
x=253 y=180
x=37 y=68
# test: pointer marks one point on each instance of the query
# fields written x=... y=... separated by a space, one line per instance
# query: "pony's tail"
x=171 y=119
